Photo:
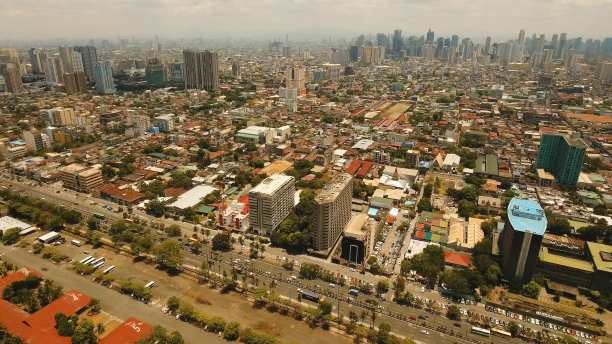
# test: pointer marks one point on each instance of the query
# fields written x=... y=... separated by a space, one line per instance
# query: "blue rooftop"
x=525 y=215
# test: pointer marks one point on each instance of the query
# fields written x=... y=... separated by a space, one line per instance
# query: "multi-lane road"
x=270 y=268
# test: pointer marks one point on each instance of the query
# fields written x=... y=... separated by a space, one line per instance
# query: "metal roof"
x=527 y=215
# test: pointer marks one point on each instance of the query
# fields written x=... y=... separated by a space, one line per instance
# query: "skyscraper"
x=12 y=77
x=430 y=37
x=201 y=69
x=156 y=73
x=562 y=156
x=332 y=211
x=295 y=77
x=75 y=83
x=89 y=57
x=520 y=241
x=354 y=53
x=397 y=41
x=65 y=54
x=35 y=60
x=54 y=72
x=487 y=47
x=270 y=202
x=454 y=41
x=521 y=37
x=103 y=74
x=236 y=70
x=382 y=40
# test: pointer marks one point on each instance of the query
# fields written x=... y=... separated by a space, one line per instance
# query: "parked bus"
x=85 y=259
x=100 y=216
x=311 y=297
x=96 y=261
x=354 y=292
x=481 y=331
x=150 y=285
x=76 y=243
x=89 y=261
x=109 y=269
x=501 y=333
x=98 y=265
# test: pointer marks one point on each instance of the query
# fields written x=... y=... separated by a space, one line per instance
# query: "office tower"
x=412 y=158
x=236 y=70
x=270 y=202
x=397 y=41
x=54 y=72
x=34 y=140
x=103 y=74
x=332 y=211
x=607 y=44
x=89 y=58
x=175 y=71
x=75 y=83
x=382 y=40
x=487 y=47
x=295 y=78
x=520 y=241
x=370 y=55
x=454 y=41
x=339 y=56
x=562 y=156
x=430 y=37
x=9 y=55
x=81 y=178
x=65 y=54
x=521 y=37
x=201 y=69
x=354 y=53
x=35 y=61
x=156 y=73
x=577 y=44
x=359 y=41
x=12 y=78
x=562 y=46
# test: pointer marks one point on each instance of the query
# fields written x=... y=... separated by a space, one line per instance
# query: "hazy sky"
x=301 y=19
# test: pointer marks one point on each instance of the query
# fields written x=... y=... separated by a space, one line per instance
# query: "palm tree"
x=100 y=328
x=373 y=318
x=363 y=316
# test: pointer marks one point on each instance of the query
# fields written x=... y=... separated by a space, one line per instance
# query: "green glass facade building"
x=562 y=156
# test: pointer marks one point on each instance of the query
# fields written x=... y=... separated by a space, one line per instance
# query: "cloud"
x=30 y=19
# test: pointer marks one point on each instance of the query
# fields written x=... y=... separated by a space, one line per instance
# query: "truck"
x=311 y=297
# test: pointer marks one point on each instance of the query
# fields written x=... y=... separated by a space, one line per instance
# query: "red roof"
x=455 y=258
x=129 y=332
x=68 y=304
x=420 y=235
x=359 y=167
x=18 y=275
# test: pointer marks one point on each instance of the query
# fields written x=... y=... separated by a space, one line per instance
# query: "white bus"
x=96 y=261
x=150 y=285
x=85 y=259
x=501 y=333
x=109 y=270
x=481 y=331
x=76 y=243
x=98 y=265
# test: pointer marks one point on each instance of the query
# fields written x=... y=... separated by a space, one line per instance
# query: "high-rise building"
x=201 y=69
x=35 y=61
x=81 y=178
x=554 y=41
x=295 y=77
x=603 y=72
x=430 y=37
x=520 y=241
x=562 y=156
x=175 y=72
x=487 y=47
x=370 y=55
x=89 y=58
x=270 y=202
x=332 y=211
x=521 y=37
x=103 y=74
x=357 y=239
x=65 y=54
x=57 y=116
x=156 y=73
x=382 y=40
x=454 y=41
x=12 y=78
x=236 y=70
x=397 y=41
x=354 y=53
x=77 y=62
x=412 y=158
x=339 y=56
x=75 y=83
x=165 y=123
x=35 y=140
x=54 y=72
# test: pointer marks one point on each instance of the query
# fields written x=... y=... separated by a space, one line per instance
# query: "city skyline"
x=26 y=20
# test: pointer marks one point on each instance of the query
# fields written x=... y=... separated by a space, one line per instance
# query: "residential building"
x=520 y=241
x=35 y=140
x=65 y=53
x=54 y=72
x=89 y=58
x=562 y=156
x=332 y=211
x=156 y=73
x=165 y=123
x=270 y=202
x=35 y=61
x=236 y=70
x=235 y=216
x=12 y=78
x=81 y=178
x=103 y=75
x=412 y=158
x=57 y=116
x=75 y=83
x=295 y=77
x=201 y=69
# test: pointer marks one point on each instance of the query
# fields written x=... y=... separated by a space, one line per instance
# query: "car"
x=422 y=317
x=457 y=324
x=268 y=272
x=331 y=285
x=422 y=289
x=317 y=286
x=412 y=317
x=425 y=332
x=381 y=307
x=104 y=206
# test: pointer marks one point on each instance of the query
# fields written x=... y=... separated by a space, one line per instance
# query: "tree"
x=382 y=287
x=222 y=242
x=11 y=235
x=453 y=312
x=232 y=331
x=173 y=303
x=169 y=254
x=92 y=223
x=155 y=208
x=173 y=230
x=399 y=286
x=186 y=310
x=94 y=305
x=141 y=245
x=84 y=333
x=531 y=289
x=310 y=271
x=424 y=205
x=513 y=328
x=467 y=208
x=353 y=317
